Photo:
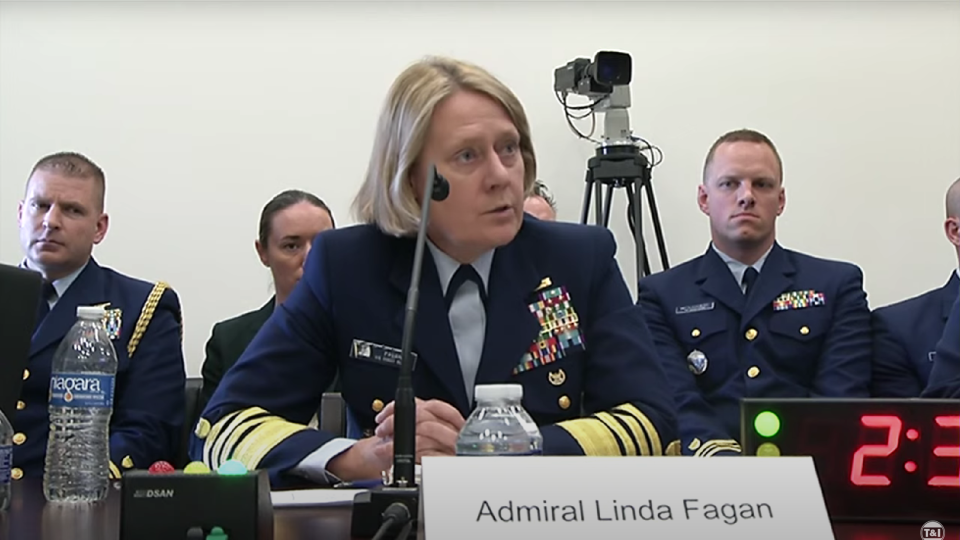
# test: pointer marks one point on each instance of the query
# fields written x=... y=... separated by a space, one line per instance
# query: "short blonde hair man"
x=387 y=196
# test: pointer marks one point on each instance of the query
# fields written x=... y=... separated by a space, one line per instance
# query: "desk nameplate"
x=665 y=497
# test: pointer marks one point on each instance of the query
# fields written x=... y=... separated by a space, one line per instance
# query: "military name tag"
x=706 y=306
x=379 y=354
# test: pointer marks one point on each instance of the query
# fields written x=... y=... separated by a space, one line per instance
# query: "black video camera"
x=597 y=78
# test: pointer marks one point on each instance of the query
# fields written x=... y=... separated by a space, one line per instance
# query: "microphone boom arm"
x=404 y=442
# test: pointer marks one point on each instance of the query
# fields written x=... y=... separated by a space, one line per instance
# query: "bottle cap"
x=497 y=392
x=92 y=313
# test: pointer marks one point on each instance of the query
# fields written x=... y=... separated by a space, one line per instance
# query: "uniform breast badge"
x=799 y=300
x=557 y=378
x=697 y=362
x=112 y=322
x=559 y=329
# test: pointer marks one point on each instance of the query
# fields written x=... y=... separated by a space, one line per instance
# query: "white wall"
x=200 y=113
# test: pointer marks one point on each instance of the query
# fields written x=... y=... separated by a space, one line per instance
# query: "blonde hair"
x=387 y=197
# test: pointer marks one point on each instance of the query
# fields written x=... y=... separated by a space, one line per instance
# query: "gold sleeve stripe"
x=146 y=314
x=656 y=447
x=636 y=432
x=710 y=448
x=592 y=435
x=221 y=430
x=228 y=434
x=628 y=445
x=673 y=449
x=114 y=471
x=263 y=439
x=236 y=435
x=714 y=450
x=214 y=431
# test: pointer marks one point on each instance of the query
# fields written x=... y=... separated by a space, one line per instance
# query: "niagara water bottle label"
x=6 y=460
x=81 y=390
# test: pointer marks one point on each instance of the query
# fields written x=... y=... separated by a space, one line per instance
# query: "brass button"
x=377 y=405
x=19 y=438
x=26 y=374
x=695 y=332
x=16 y=473
x=127 y=462
x=751 y=334
x=804 y=330
x=753 y=372
x=564 y=402
x=21 y=405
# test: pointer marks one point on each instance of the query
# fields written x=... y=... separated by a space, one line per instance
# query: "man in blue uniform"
x=905 y=334
x=61 y=219
x=504 y=298
x=945 y=374
x=749 y=318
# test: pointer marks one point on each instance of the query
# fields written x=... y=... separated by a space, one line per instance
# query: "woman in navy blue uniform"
x=504 y=298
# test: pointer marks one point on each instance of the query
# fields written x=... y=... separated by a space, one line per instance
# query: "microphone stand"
x=381 y=509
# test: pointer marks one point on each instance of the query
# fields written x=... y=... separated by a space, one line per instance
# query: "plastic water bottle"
x=81 y=403
x=6 y=460
x=499 y=426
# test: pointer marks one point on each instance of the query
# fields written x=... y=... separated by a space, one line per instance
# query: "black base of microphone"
x=368 y=508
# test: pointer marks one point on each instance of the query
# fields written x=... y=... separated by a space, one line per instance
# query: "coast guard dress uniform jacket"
x=560 y=322
x=801 y=330
x=905 y=337
x=945 y=373
x=144 y=322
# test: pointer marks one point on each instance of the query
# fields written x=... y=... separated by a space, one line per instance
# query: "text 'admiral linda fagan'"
x=613 y=510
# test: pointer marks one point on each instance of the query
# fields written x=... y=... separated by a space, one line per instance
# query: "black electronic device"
x=619 y=161
x=163 y=506
x=20 y=290
x=876 y=459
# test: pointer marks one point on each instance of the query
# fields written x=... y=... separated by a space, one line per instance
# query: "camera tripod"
x=623 y=166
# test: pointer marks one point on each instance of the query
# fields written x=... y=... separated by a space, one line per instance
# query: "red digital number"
x=947 y=451
x=893 y=425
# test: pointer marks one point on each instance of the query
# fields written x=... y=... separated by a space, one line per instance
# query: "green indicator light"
x=767 y=424
x=768 y=450
x=232 y=467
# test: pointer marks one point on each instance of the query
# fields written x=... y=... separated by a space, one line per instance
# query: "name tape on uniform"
x=512 y=498
x=379 y=354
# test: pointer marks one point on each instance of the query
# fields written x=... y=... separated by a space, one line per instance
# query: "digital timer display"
x=877 y=459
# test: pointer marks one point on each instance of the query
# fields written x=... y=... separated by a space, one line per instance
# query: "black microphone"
x=370 y=509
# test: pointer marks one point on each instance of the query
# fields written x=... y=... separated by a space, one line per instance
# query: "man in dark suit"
x=749 y=318
x=61 y=219
x=944 y=379
x=504 y=298
x=905 y=334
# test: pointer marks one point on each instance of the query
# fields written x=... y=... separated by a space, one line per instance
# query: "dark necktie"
x=468 y=324
x=47 y=293
x=465 y=273
x=750 y=276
